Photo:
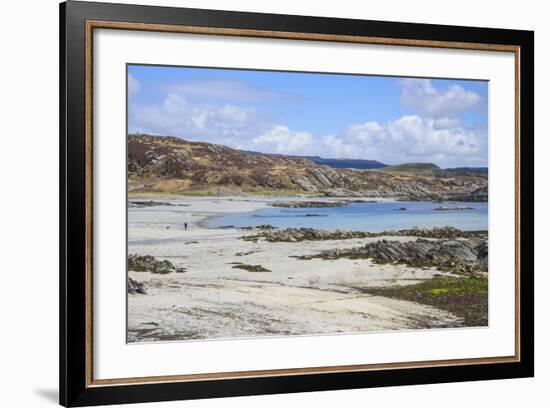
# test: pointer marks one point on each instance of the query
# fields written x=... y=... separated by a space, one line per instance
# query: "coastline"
x=292 y=297
x=246 y=203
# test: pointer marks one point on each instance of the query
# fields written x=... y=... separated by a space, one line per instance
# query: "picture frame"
x=79 y=21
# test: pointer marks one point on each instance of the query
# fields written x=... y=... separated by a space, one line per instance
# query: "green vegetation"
x=465 y=297
x=417 y=169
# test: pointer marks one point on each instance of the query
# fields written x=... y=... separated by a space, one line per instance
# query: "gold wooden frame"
x=99 y=24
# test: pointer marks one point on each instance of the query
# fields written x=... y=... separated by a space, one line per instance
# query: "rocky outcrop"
x=304 y=184
x=325 y=176
x=480 y=194
x=308 y=204
x=151 y=203
x=135 y=287
x=459 y=256
x=305 y=234
x=436 y=232
x=483 y=255
x=148 y=263
x=459 y=208
x=311 y=234
x=264 y=227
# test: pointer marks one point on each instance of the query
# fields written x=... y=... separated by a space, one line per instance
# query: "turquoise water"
x=373 y=217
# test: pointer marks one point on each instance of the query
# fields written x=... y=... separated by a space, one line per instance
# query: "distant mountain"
x=346 y=163
x=335 y=163
x=173 y=165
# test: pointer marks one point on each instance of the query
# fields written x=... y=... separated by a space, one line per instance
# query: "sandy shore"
x=212 y=299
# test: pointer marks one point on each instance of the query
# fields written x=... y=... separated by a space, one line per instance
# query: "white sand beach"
x=213 y=299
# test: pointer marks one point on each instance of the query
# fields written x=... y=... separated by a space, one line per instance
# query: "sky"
x=390 y=119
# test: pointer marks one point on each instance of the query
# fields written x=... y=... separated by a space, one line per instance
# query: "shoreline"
x=262 y=202
x=283 y=294
x=285 y=194
x=252 y=204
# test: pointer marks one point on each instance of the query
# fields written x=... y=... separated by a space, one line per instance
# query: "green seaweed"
x=466 y=297
x=252 y=268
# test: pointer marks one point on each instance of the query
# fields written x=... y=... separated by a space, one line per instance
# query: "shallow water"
x=373 y=217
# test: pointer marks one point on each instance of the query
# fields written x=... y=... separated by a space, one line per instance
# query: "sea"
x=366 y=216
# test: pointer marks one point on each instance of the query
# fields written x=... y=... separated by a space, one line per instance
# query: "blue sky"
x=390 y=119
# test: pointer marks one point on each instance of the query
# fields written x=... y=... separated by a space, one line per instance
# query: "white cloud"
x=176 y=116
x=408 y=138
x=335 y=147
x=133 y=85
x=222 y=89
x=425 y=99
x=236 y=114
x=282 y=140
x=443 y=123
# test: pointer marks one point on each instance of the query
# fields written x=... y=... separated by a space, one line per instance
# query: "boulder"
x=148 y=263
x=135 y=287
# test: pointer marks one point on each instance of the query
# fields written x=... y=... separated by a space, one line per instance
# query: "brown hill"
x=417 y=169
x=172 y=165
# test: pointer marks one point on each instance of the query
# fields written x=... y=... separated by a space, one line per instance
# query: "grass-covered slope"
x=169 y=165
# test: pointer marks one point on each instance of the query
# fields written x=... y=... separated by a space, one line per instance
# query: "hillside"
x=335 y=163
x=418 y=169
x=158 y=164
x=469 y=170
x=347 y=163
x=432 y=170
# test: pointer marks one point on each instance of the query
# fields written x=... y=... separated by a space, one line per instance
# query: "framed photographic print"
x=256 y=203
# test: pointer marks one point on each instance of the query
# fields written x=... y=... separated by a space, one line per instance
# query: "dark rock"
x=150 y=203
x=436 y=232
x=244 y=254
x=364 y=201
x=305 y=234
x=251 y=268
x=311 y=234
x=135 y=287
x=265 y=227
x=459 y=208
x=466 y=256
x=308 y=204
x=483 y=255
x=480 y=194
x=148 y=263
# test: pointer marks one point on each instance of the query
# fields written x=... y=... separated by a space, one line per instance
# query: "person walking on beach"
x=185 y=226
